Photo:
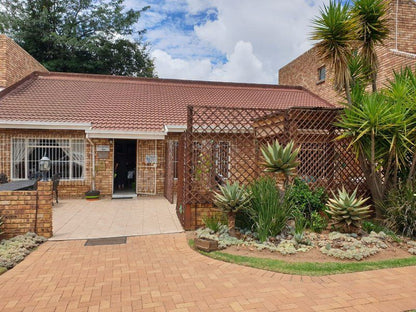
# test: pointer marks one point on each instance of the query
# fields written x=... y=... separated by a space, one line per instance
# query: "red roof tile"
x=135 y=104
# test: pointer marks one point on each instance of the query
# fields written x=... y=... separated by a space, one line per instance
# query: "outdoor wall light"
x=44 y=167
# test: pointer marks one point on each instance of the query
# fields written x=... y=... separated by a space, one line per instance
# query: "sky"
x=226 y=40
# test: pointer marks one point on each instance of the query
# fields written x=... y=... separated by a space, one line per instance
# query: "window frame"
x=320 y=69
x=26 y=159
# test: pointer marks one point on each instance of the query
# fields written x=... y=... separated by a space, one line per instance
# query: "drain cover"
x=106 y=241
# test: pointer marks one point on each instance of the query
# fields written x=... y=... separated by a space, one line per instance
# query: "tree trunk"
x=231 y=223
x=374 y=81
x=348 y=92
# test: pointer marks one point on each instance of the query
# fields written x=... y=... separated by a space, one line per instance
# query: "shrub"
x=231 y=199
x=317 y=223
x=280 y=159
x=300 y=224
x=14 y=250
x=269 y=209
x=301 y=196
x=347 y=210
x=400 y=211
x=214 y=221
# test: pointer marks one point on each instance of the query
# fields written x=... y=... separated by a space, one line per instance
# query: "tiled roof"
x=135 y=104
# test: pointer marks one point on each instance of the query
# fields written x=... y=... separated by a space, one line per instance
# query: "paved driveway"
x=81 y=219
x=161 y=273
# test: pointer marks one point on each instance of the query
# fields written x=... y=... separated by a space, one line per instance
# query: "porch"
x=82 y=219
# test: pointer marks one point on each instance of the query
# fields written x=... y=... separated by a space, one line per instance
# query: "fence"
x=224 y=144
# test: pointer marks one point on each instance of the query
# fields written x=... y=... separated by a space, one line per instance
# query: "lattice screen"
x=223 y=144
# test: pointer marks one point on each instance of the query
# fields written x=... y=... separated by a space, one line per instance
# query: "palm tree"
x=373 y=29
x=335 y=30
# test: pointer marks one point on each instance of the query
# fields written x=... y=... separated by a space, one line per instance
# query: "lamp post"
x=44 y=167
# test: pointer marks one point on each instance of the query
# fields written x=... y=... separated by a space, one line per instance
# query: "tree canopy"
x=84 y=36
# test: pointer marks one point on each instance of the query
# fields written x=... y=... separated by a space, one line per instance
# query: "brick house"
x=87 y=124
x=398 y=51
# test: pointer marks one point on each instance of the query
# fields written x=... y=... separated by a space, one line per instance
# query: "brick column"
x=44 y=209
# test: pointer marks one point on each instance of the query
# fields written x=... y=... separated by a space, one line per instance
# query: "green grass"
x=308 y=268
x=2 y=270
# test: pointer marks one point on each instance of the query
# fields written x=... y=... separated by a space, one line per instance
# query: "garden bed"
x=14 y=250
x=392 y=252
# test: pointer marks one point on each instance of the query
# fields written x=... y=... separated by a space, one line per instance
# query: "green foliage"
x=382 y=128
x=214 y=222
x=280 y=159
x=317 y=222
x=400 y=210
x=300 y=224
x=232 y=198
x=377 y=227
x=373 y=29
x=79 y=36
x=301 y=196
x=347 y=210
x=269 y=209
x=335 y=31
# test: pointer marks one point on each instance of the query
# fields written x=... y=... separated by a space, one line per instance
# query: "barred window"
x=67 y=157
x=221 y=155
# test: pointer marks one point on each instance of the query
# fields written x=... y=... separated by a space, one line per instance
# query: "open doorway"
x=124 y=168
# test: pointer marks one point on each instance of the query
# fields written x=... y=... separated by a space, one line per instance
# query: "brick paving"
x=161 y=273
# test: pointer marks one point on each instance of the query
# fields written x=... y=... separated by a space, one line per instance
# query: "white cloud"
x=241 y=66
x=247 y=41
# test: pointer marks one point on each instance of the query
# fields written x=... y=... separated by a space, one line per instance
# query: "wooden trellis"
x=224 y=144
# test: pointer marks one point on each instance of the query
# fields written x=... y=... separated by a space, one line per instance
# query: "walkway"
x=161 y=273
x=81 y=219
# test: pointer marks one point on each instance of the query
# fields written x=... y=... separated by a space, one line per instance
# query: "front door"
x=124 y=167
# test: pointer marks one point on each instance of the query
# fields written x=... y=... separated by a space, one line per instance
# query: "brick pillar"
x=44 y=209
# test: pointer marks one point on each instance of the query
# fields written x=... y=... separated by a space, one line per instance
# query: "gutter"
x=138 y=135
x=44 y=125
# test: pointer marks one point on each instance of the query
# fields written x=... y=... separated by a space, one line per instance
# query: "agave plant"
x=280 y=159
x=347 y=210
x=231 y=199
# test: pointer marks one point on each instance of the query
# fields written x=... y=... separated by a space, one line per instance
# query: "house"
x=90 y=126
x=398 y=51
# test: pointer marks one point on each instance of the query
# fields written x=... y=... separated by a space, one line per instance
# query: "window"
x=67 y=156
x=321 y=74
x=175 y=159
x=221 y=156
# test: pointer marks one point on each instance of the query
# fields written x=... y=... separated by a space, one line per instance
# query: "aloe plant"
x=347 y=210
x=280 y=159
x=231 y=199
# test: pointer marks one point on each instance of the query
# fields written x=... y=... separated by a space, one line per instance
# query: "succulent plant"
x=280 y=159
x=347 y=210
x=231 y=199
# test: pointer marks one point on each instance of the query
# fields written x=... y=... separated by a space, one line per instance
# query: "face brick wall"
x=303 y=71
x=15 y=63
x=27 y=211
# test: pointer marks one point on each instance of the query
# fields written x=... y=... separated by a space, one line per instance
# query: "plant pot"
x=92 y=195
x=205 y=244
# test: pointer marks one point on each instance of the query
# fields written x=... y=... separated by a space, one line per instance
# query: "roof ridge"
x=16 y=85
x=171 y=81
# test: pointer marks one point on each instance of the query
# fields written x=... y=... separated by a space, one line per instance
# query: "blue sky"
x=226 y=40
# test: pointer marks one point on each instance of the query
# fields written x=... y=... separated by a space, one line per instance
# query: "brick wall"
x=27 y=211
x=15 y=63
x=104 y=168
x=303 y=71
